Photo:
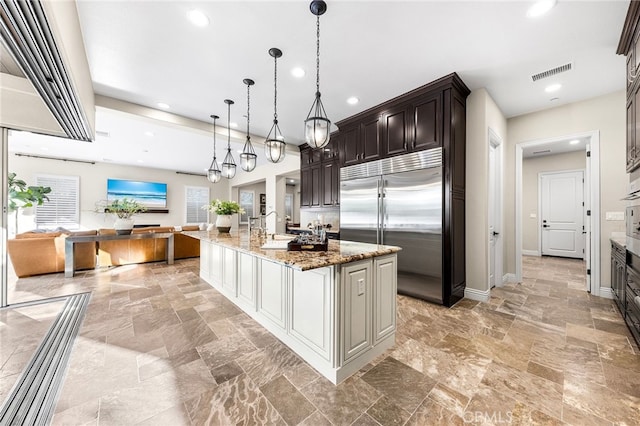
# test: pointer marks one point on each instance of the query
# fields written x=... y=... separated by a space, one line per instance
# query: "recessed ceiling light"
x=233 y=124
x=298 y=72
x=540 y=7
x=553 y=88
x=353 y=100
x=150 y=134
x=198 y=18
x=574 y=142
x=163 y=105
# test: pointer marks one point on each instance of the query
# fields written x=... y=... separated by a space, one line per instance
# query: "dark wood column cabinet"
x=320 y=174
x=630 y=47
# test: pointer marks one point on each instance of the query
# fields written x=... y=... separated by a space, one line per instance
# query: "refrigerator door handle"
x=381 y=210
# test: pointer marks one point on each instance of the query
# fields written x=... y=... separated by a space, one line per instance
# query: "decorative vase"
x=123 y=226
x=223 y=222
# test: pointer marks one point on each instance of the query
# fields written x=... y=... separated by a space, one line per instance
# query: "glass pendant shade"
x=229 y=164
x=317 y=126
x=274 y=146
x=213 y=172
x=248 y=156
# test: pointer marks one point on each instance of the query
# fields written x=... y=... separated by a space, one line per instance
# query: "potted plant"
x=124 y=209
x=223 y=210
x=23 y=196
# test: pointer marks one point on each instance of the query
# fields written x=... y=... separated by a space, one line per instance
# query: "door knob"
x=545 y=226
x=494 y=233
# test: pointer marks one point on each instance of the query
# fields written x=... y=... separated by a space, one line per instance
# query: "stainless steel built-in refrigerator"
x=398 y=201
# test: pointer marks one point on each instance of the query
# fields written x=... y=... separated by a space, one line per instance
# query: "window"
x=246 y=202
x=63 y=208
x=195 y=198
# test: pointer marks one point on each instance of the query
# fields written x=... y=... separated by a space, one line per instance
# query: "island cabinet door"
x=247 y=280
x=312 y=302
x=356 y=309
x=216 y=256
x=384 y=297
x=229 y=272
x=205 y=261
x=272 y=292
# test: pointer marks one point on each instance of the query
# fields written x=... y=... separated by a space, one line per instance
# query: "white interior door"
x=495 y=211
x=561 y=206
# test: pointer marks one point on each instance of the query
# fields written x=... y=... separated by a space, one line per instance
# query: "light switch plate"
x=533 y=215
x=614 y=215
x=361 y=287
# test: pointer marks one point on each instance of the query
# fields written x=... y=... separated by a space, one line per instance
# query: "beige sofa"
x=36 y=253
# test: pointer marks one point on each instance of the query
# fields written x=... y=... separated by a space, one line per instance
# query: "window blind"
x=196 y=197
x=63 y=207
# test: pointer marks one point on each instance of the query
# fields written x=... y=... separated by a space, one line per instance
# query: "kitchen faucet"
x=262 y=231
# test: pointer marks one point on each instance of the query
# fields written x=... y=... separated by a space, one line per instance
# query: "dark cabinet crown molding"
x=629 y=28
x=451 y=80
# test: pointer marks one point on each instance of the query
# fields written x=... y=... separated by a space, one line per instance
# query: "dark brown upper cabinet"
x=350 y=150
x=426 y=120
x=629 y=46
x=396 y=130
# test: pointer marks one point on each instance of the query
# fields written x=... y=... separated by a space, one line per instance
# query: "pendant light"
x=317 y=126
x=228 y=165
x=213 y=173
x=248 y=156
x=274 y=145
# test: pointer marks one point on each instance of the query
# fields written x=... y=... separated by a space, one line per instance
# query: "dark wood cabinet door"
x=330 y=179
x=370 y=139
x=427 y=123
x=395 y=124
x=631 y=133
x=315 y=184
x=330 y=152
x=305 y=187
x=350 y=147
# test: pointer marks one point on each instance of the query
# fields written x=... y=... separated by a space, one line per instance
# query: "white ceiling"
x=149 y=52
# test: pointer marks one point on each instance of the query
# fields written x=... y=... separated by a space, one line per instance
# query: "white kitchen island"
x=335 y=309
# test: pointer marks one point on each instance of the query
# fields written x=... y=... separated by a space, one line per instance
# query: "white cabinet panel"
x=205 y=261
x=247 y=280
x=356 y=308
x=229 y=272
x=215 y=265
x=384 y=297
x=272 y=292
x=310 y=319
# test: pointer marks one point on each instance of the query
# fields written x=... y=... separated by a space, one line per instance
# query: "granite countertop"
x=619 y=238
x=339 y=251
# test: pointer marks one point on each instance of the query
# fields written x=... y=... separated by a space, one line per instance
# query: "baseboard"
x=509 y=278
x=606 y=292
x=530 y=253
x=479 y=295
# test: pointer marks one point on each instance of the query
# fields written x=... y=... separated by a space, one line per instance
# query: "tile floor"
x=158 y=346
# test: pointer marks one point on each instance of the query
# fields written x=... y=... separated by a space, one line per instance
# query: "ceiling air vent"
x=102 y=133
x=546 y=151
x=553 y=71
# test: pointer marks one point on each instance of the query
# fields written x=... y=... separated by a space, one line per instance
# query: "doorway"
x=561 y=206
x=591 y=149
x=495 y=210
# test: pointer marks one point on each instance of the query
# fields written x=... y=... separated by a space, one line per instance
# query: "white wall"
x=93 y=188
x=482 y=114
x=531 y=167
x=605 y=114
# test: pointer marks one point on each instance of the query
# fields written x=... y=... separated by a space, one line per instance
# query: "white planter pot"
x=123 y=226
x=223 y=222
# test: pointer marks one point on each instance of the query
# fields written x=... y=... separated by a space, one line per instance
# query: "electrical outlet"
x=361 y=287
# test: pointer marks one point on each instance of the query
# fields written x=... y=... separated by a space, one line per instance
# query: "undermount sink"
x=278 y=242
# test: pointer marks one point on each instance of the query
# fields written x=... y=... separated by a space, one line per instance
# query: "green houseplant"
x=124 y=209
x=22 y=196
x=223 y=210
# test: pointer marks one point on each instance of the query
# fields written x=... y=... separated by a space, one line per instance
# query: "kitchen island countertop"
x=339 y=251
